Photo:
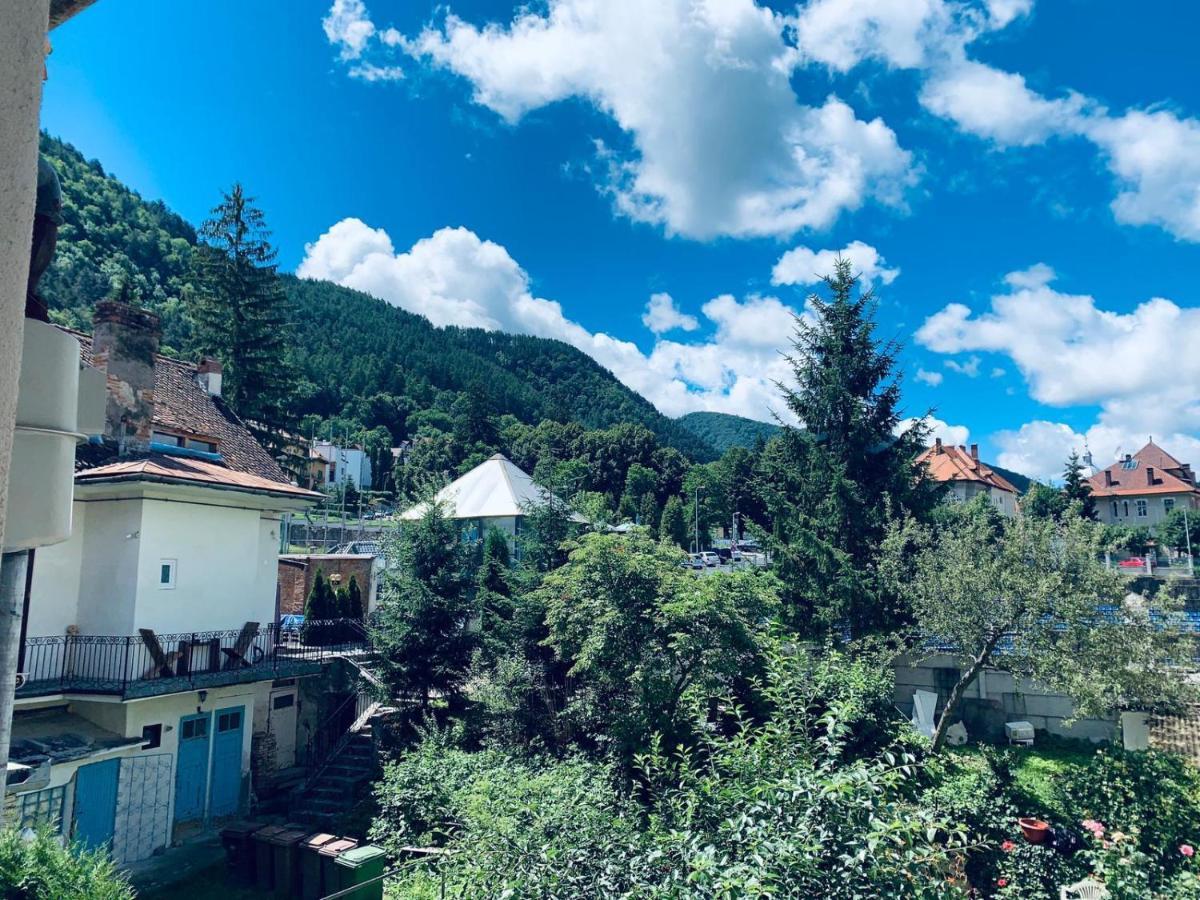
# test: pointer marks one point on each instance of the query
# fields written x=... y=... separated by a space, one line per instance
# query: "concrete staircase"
x=340 y=783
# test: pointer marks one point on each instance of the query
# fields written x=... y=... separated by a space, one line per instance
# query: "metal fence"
x=148 y=664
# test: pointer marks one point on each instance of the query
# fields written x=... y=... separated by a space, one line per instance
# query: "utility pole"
x=1187 y=536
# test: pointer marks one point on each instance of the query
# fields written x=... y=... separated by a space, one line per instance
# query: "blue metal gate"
x=191 y=771
x=227 y=761
x=96 y=802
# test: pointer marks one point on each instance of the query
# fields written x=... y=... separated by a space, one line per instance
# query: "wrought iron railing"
x=149 y=664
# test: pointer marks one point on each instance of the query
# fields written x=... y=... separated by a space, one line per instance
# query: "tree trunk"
x=978 y=662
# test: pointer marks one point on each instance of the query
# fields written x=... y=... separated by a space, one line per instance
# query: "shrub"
x=1156 y=793
x=39 y=868
x=1035 y=871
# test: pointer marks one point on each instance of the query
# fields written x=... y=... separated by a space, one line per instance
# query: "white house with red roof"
x=152 y=662
x=1143 y=488
x=967 y=476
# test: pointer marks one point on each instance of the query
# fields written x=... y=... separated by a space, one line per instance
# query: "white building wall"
x=222 y=556
x=1124 y=510
x=112 y=541
x=54 y=596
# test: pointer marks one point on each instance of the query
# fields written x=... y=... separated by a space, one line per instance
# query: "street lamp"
x=696 y=511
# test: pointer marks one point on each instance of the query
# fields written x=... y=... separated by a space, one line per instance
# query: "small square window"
x=229 y=721
x=166 y=574
x=151 y=737
x=1168 y=504
x=283 y=701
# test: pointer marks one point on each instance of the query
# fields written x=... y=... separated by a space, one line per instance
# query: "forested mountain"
x=724 y=430
x=352 y=351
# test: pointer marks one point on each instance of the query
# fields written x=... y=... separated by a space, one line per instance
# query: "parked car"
x=724 y=553
x=710 y=558
x=1134 y=562
x=695 y=561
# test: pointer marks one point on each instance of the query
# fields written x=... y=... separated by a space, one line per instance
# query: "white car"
x=695 y=561
x=710 y=558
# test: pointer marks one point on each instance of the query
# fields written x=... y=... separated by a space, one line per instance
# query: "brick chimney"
x=975 y=452
x=1150 y=475
x=1108 y=481
x=937 y=445
x=208 y=374
x=124 y=344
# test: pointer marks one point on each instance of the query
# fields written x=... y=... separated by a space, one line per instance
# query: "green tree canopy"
x=1032 y=597
x=831 y=486
x=1076 y=489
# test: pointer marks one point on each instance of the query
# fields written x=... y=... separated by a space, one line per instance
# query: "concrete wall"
x=995 y=698
x=109 y=563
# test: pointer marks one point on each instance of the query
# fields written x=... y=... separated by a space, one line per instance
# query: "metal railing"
x=149 y=664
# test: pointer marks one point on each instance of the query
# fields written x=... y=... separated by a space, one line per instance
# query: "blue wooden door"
x=191 y=767
x=96 y=802
x=227 y=761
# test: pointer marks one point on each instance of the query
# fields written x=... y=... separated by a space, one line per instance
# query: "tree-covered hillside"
x=723 y=430
x=351 y=350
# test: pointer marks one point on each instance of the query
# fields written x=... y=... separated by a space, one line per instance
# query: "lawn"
x=1037 y=770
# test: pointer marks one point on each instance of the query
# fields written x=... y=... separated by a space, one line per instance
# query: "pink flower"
x=1094 y=827
x=1001 y=882
x=1008 y=846
x=1187 y=849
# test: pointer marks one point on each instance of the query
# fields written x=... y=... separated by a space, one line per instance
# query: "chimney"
x=124 y=344
x=1108 y=482
x=1150 y=475
x=937 y=445
x=208 y=374
x=975 y=452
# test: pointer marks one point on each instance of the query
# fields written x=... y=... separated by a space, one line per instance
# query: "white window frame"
x=1168 y=504
x=1143 y=508
x=173 y=565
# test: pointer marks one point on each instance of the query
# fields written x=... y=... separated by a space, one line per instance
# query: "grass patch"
x=1036 y=772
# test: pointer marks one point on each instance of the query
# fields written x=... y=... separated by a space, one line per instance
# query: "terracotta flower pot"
x=1034 y=830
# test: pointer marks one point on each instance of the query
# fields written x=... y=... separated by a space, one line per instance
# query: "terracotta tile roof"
x=1149 y=471
x=945 y=462
x=1177 y=734
x=179 y=469
x=182 y=405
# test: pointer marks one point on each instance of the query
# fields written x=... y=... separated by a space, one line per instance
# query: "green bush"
x=39 y=868
x=1035 y=871
x=1156 y=793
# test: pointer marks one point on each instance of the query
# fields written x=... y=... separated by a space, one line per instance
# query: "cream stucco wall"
x=105 y=579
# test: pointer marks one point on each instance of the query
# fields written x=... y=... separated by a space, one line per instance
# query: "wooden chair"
x=164 y=666
x=235 y=657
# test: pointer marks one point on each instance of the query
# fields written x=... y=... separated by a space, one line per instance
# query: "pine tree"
x=317 y=608
x=1076 y=488
x=354 y=601
x=831 y=487
x=242 y=315
x=672 y=527
x=648 y=514
x=493 y=597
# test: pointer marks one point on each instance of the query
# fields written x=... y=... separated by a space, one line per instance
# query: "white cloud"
x=454 y=277
x=1038 y=449
x=348 y=27
x=842 y=33
x=933 y=379
x=800 y=265
x=998 y=372
x=950 y=434
x=1155 y=157
x=968 y=367
x=721 y=144
x=996 y=105
x=372 y=72
x=663 y=315
x=1138 y=367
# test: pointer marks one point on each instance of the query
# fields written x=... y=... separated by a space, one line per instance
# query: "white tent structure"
x=494 y=494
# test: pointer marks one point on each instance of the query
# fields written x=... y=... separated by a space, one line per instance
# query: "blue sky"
x=658 y=182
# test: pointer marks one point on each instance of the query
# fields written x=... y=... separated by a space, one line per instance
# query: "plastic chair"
x=1084 y=890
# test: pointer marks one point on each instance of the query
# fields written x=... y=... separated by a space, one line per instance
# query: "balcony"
x=149 y=664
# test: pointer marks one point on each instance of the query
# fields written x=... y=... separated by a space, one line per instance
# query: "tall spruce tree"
x=242 y=315
x=832 y=485
x=672 y=527
x=1076 y=488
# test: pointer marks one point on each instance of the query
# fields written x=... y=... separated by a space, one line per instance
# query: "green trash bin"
x=286 y=856
x=359 y=866
x=329 y=870
x=239 y=850
x=264 y=857
x=310 y=865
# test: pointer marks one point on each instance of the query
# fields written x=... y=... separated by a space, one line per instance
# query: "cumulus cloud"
x=662 y=315
x=348 y=27
x=933 y=379
x=950 y=434
x=1038 y=449
x=800 y=265
x=721 y=144
x=1138 y=367
x=968 y=367
x=454 y=277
